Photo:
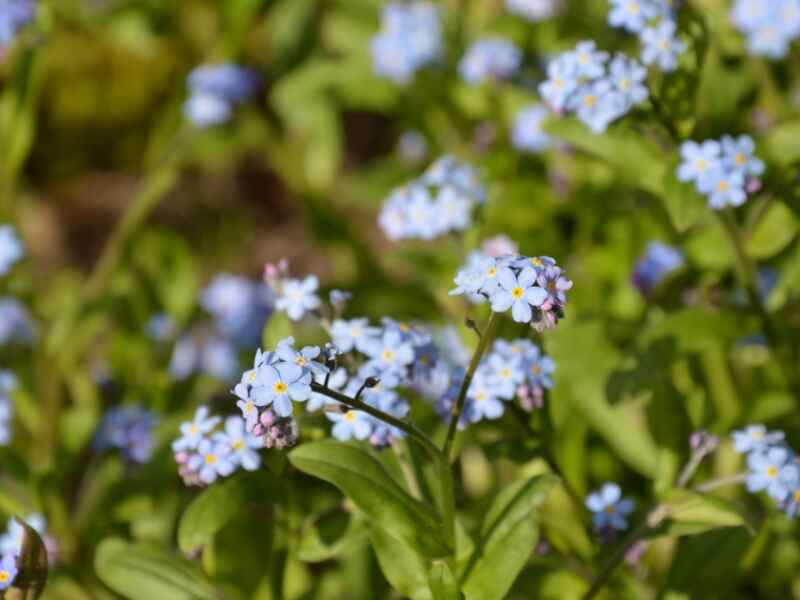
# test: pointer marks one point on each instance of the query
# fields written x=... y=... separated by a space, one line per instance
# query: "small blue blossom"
x=631 y=15
x=391 y=354
x=14 y=15
x=240 y=307
x=16 y=324
x=353 y=334
x=485 y=403
x=590 y=62
x=337 y=381
x=723 y=188
x=196 y=430
x=755 y=438
x=698 y=160
x=791 y=504
x=517 y=292
x=215 y=90
x=628 y=78
x=527 y=133
x=278 y=385
x=562 y=81
x=200 y=351
x=766 y=472
x=350 y=424
x=610 y=510
x=658 y=262
x=298 y=297
x=490 y=59
x=409 y=40
x=661 y=46
x=769 y=25
x=8 y=571
x=243 y=444
x=532 y=10
x=160 y=327
x=211 y=461
x=128 y=429
x=738 y=155
x=11 y=249
x=304 y=358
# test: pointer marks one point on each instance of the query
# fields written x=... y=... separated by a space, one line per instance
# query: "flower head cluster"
x=533 y=287
x=770 y=25
x=16 y=325
x=527 y=134
x=489 y=59
x=204 y=453
x=723 y=170
x=772 y=466
x=609 y=509
x=441 y=200
x=598 y=90
x=14 y=15
x=409 y=40
x=8 y=383
x=203 y=351
x=532 y=10
x=214 y=91
x=240 y=307
x=128 y=429
x=658 y=262
x=295 y=297
x=654 y=22
x=11 y=249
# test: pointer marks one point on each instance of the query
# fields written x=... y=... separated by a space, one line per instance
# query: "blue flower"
x=8 y=571
x=490 y=59
x=485 y=402
x=212 y=460
x=392 y=353
x=14 y=15
x=336 y=381
x=479 y=276
x=589 y=61
x=517 y=292
x=755 y=438
x=160 y=327
x=631 y=15
x=240 y=307
x=539 y=368
x=661 y=46
x=196 y=430
x=562 y=81
x=698 y=160
x=737 y=155
x=410 y=39
x=504 y=375
x=215 y=90
x=349 y=424
x=128 y=429
x=412 y=147
x=532 y=10
x=298 y=297
x=243 y=444
x=723 y=188
x=628 y=77
x=610 y=510
x=278 y=385
x=658 y=262
x=527 y=134
x=791 y=478
x=770 y=25
x=201 y=351
x=304 y=358
x=766 y=472
x=355 y=333
x=11 y=249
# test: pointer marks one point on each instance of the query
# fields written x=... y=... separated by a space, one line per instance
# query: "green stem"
x=458 y=407
x=713 y=484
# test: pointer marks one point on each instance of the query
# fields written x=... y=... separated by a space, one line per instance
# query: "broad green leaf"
x=403 y=568
x=278 y=327
x=32 y=565
x=774 y=232
x=144 y=573
x=443 y=583
x=210 y=511
x=706 y=565
x=684 y=205
x=783 y=142
x=329 y=537
x=691 y=513
x=364 y=480
x=508 y=537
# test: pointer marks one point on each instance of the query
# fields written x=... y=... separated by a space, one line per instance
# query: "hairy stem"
x=713 y=484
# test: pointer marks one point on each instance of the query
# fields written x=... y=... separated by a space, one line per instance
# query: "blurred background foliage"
x=90 y=118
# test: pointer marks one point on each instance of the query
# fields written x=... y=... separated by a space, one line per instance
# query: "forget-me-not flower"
x=527 y=133
x=490 y=59
x=661 y=46
x=193 y=432
x=11 y=249
x=766 y=472
x=242 y=443
x=8 y=570
x=518 y=293
x=298 y=297
x=609 y=509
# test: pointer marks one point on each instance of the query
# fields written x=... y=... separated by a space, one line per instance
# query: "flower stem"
x=713 y=484
x=458 y=407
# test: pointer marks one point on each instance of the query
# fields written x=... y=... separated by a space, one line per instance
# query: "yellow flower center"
x=558 y=82
x=739 y=159
x=388 y=355
x=536 y=369
x=517 y=292
x=4 y=576
x=279 y=387
x=757 y=434
x=772 y=472
x=590 y=100
x=723 y=186
x=423 y=360
x=300 y=361
x=505 y=373
x=796 y=495
x=492 y=272
x=634 y=8
x=193 y=428
x=480 y=396
x=404 y=327
x=248 y=406
x=252 y=377
x=237 y=444
x=610 y=509
x=211 y=459
x=349 y=416
x=624 y=83
x=536 y=261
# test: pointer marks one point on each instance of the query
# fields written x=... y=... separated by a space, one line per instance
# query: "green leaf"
x=443 y=583
x=210 y=511
x=330 y=536
x=691 y=513
x=684 y=205
x=32 y=565
x=403 y=568
x=364 y=480
x=774 y=232
x=144 y=573
x=508 y=537
x=783 y=142
x=278 y=328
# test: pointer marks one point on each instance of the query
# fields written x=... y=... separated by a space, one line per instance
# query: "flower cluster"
x=11 y=546
x=205 y=453
x=441 y=200
x=654 y=22
x=658 y=262
x=240 y=307
x=14 y=15
x=515 y=370
x=723 y=171
x=8 y=383
x=410 y=39
x=533 y=287
x=128 y=429
x=532 y=10
x=16 y=324
x=11 y=249
x=598 y=90
x=490 y=59
x=609 y=509
x=770 y=25
x=772 y=466
x=527 y=134
x=214 y=91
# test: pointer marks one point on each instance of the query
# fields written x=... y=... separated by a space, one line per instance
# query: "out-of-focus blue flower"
x=631 y=15
x=160 y=327
x=11 y=249
x=766 y=472
x=627 y=77
x=609 y=509
x=791 y=504
x=755 y=438
x=128 y=429
x=698 y=160
x=215 y=90
x=661 y=46
x=412 y=147
x=769 y=25
x=390 y=354
x=194 y=431
x=409 y=40
x=8 y=571
x=658 y=262
x=16 y=325
x=211 y=461
x=304 y=358
x=8 y=383
x=14 y=15
x=723 y=188
x=527 y=133
x=242 y=443
x=240 y=307
x=738 y=155
x=532 y=10
x=297 y=297
x=490 y=59
x=204 y=352
x=349 y=424
x=484 y=401
x=354 y=333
